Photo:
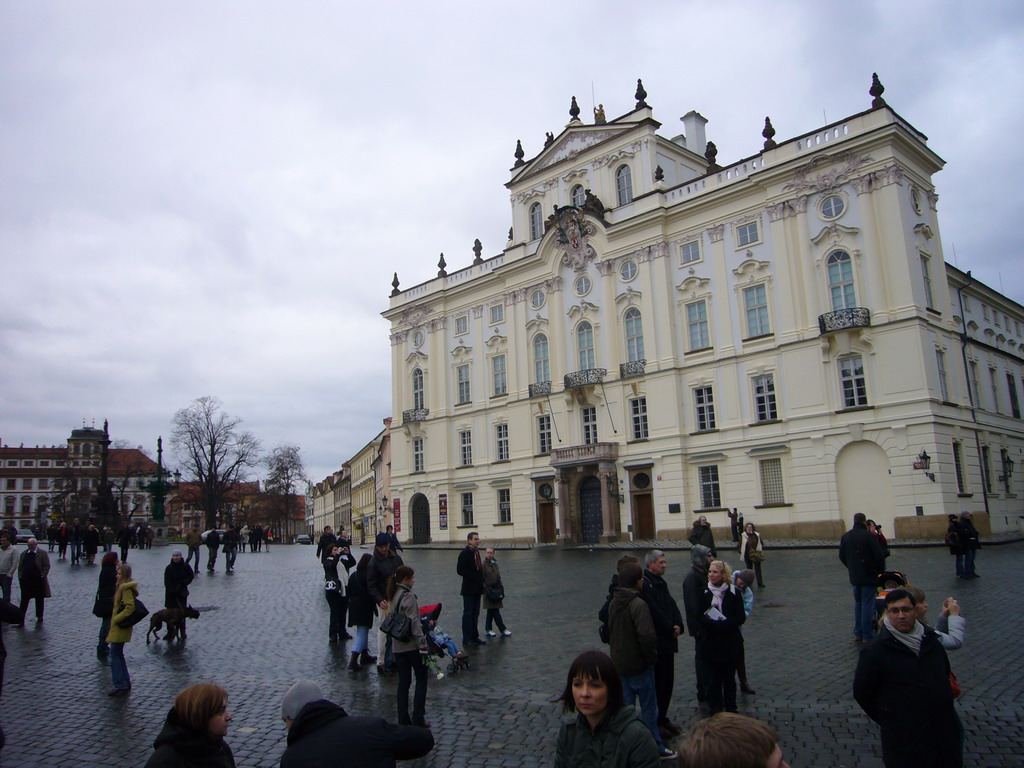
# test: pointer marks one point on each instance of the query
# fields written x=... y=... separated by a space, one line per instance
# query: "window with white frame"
x=589 y=417
x=504 y=505
x=940 y=362
x=497 y=313
x=544 y=434
x=764 y=398
x=689 y=252
x=697 y=325
x=851 y=381
x=417 y=454
x=840 y=281
x=498 y=378
x=462 y=381
x=710 y=493
x=993 y=379
x=624 y=184
x=501 y=442
x=26 y=484
x=634 y=335
x=771 y=481
x=747 y=234
x=704 y=408
x=585 y=346
x=417 y=388
x=536 y=221
x=541 y=362
x=43 y=484
x=467 y=508
x=461 y=325
x=755 y=304
x=958 y=467
x=578 y=195
x=466 y=447
x=927 y=278
x=638 y=414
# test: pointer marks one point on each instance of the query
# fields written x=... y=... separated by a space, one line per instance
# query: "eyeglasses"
x=900 y=609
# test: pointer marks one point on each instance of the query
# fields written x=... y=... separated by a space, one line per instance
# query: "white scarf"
x=910 y=639
x=716 y=594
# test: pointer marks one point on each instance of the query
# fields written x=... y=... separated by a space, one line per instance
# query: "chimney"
x=693 y=131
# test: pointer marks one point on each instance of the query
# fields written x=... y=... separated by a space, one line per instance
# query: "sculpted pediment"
x=574 y=142
x=835 y=232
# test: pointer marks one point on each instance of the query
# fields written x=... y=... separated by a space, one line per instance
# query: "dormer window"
x=536 y=222
x=624 y=184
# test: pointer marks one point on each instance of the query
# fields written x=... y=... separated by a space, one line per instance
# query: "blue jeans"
x=969 y=562
x=470 y=618
x=641 y=686
x=362 y=639
x=76 y=551
x=864 y=611
x=102 y=647
x=229 y=558
x=118 y=667
x=193 y=551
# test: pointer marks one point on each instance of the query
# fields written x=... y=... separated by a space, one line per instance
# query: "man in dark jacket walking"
x=212 y=543
x=470 y=568
x=668 y=625
x=321 y=733
x=326 y=541
x=902 y=683
x=694 y=584
x=862 y=554
x=381 y=567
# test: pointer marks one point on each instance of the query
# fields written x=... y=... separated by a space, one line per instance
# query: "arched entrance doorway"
x=865 y=485
x=420 y=519
x=590 y=510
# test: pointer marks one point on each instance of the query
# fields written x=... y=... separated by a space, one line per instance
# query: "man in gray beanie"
x=694 y=584
x=321 y=733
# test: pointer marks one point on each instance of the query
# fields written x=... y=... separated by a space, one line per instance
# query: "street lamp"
x=924 y=461
x=158 y=489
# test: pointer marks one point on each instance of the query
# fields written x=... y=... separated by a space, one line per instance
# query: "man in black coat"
x=380 y=569
x=321 y=733
x=694 y=584
x=668 y=625
x=212 y=543
x=470 y=568
x=902 y=683
x=326 y=541
x=862 y=554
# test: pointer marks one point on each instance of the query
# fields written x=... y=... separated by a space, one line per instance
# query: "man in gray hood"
x=694 y=584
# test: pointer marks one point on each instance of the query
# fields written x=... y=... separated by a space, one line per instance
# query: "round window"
x=915 y=199
x=417 y=339
x=628 y=270
x=537 y=299
x=832 y=207
x=641 y=480
x=583 y=285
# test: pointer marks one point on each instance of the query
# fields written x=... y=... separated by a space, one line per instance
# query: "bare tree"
x=285 y=474
x=214 y=450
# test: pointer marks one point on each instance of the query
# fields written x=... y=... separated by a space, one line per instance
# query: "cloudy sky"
x=210 y=197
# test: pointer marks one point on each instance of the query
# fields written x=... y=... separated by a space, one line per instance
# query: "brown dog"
x=174 y=618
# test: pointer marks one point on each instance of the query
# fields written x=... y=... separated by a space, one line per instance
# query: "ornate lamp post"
x=158 y=489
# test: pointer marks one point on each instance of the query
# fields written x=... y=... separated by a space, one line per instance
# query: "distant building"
x=663 y=337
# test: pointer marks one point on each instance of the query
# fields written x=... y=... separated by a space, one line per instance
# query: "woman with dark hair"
x=409 y=654
x=193 y=733
x=177 y=576
x=752 y=551
x=334 y=591
x=124 y=606
x=605 y=730
x=103 y=608
x=361 y=610
x=723 y=615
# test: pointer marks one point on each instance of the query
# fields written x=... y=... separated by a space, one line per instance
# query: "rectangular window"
x=501 y=441
x=958 y=467
x=986 y=473
x=504 y=505
x=995 y=319
x=1004 y=458
x=972 y=370
x=589 y=416
x=29 y=463
x=12 y=484
x=544 y=434
x=1011 y=387
x=984 y=311
x=689 y=252
x=697 y=325
x=927 y=278
x=994 y=386
x=462 y=377
x=26 y=484
x=498 y=375
x=466 y=448
x=771 y=481
x=467 y=508
x=461 y=325
x=940 y=361
x=638 y=409
x=747 y=233
x=43 y=484
x=417 y=454
x=44 y=463
x=497 y=314
x=851 y=381
x=755 y=302
x=704 y=405
x=764 y=398
x=710 y=495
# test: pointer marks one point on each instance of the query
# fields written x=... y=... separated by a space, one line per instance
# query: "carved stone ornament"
x=631 y=297
x=619 y=154
x=583 y=310
x=692 y=287
x=415 y=314
x=572 y=231
x=574 y=143
x=847 y=164
x=536 y=191
x=716 y=233
x=891 y=174
x=787 y=208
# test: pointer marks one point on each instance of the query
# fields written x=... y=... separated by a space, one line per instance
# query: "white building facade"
x=664 y=338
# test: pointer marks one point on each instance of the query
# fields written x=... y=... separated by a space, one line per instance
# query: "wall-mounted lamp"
x=924 y=461
x=1007 y=469
x=612 y=490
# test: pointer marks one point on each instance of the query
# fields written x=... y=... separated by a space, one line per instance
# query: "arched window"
x=585 y=345
x=536 y=222
x=624 y=184
x=417 y=388
x=541 y=361
x=840 y=281
x=634 y=335
x=578 y=195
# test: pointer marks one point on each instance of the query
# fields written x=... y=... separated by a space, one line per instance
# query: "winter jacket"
x=491 y=575
x=177 y=577
x=702 y=534
x=472 y=577
x=106 y=589
x=361 y=607
x=634 y=645
x=694 y=584
x=664 y=612
x=405 y=601
x=862 y=554
x=323 y=735
x=621 y=740
x=193 y=538
x=968 y=534
x=324 y=544
x=756 y=543
x=213 y=539
x=124 y=606
x=31 y=584
x=378 y=571
x=9 y=560
x=333 y=580
x=723 y=639
x=178 y=746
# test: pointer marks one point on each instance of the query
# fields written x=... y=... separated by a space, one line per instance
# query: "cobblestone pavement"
x=266 y=625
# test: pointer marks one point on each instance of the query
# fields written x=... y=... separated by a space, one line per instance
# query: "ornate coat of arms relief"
x=572 y=233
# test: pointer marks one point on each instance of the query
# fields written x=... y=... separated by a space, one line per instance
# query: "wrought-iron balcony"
x=585 y=377
x=415 y=414
x=540 y=388
x=584 y=454
x=841 y=319
x=632 y=369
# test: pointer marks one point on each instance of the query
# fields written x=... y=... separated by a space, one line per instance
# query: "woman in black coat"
x=361 y=610
x=702 y=534
x=177 y=576
x=193 y=733
x=723 y=640
x=103 y=608
x=334 y=590
x=969 y=541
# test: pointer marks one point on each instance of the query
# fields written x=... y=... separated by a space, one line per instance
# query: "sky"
x=203 y=197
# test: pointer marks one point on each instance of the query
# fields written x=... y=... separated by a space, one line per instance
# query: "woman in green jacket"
x=606 y=733
x=124 y=605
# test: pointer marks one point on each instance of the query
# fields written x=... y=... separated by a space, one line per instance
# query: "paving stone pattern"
x=265 y=626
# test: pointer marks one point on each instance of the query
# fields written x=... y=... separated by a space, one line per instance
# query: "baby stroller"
x=440 y=642
x=887 y=582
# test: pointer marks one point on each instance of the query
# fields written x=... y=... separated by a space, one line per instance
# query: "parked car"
x=24 y=534
x=204 y=534
x=303 y=538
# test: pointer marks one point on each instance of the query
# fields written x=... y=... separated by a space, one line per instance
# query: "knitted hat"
x=746 y=574
x=298 y=696
x=177 y=552
x=382 y=540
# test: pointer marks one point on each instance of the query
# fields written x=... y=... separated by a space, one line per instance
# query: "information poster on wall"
x=442 y=508
x=396 y=510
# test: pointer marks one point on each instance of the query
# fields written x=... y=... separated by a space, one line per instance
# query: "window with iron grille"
x=851 y=380
x=466 y=447
x=417 y=454
x=958 y=467
x=462 y=377
x=501 y=441
x=504 y=505
x=498 y=375
x=764 y=398
x=704 y=404
x=710 y=496
x=771 y=481
x=544 y=433
x=638 y=409
x=589 y=415
x=467 y=508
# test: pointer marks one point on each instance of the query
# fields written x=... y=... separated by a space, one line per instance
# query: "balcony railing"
x=585 y=378
x=540 y=388
x=584 y=454
x=854 y=317
x=415 y=414
x=632 y=369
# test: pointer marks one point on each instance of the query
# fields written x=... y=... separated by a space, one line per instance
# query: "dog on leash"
x=174 y=618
